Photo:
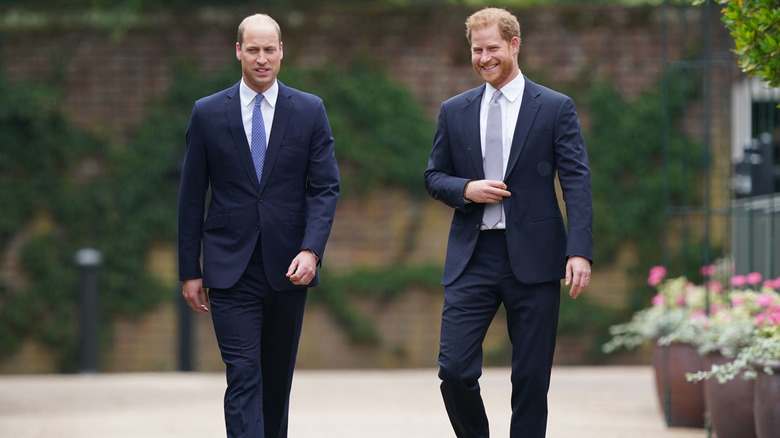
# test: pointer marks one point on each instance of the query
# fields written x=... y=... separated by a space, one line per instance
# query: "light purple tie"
x=494 y=157
x=258 y=145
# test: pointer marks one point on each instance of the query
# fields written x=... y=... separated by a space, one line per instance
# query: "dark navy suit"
x=251 y=233
x=520 y=266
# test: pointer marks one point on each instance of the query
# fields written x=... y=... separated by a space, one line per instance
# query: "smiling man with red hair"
x=496 y=153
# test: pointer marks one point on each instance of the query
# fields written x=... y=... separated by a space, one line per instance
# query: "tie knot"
x=497 y=95
x=258 y=99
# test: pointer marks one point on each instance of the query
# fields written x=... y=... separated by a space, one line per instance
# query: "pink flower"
x=714 y=309
x=767 y=319
x=656 y=276
x=707 y=271
x=698 y=314
x=738 y=280
x=714 y=286
x=765 y=300
x=772 y=284
x=658 y=300
x=658 y=270
x=754 y=278
x=737 y=301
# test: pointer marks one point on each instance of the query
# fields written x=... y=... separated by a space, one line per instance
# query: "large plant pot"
x=682 y=402
x=767 y=401
x=730 y=404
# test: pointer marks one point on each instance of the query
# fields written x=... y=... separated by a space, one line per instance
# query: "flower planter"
x=767 y=401
x=682 y=402
x=730 y=404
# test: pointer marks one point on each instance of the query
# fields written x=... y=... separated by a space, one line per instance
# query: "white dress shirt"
x=268 y=106
x=510 y=109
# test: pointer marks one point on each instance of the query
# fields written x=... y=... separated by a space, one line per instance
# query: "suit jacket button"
x=477 y=226
x=259 y=199
x=257 y=227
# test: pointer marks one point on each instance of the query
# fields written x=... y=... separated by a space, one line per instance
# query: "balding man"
x=266 y=152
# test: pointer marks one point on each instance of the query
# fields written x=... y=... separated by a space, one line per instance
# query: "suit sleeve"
x=440 y=179
x=574 y=176
x=192 y=200
x=322 y=190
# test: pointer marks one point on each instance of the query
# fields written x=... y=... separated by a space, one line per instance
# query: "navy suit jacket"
x=547 y=141
x=290 y=210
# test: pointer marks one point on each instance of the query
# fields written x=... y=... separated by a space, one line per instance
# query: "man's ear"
x=515 y=44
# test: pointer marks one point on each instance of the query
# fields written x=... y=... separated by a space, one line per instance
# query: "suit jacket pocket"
x=292 y=141
x=297 y=219
x=546 y=219
x=217 y=221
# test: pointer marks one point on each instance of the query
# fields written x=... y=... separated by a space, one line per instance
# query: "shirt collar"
x=247 y=95
x=511 y=90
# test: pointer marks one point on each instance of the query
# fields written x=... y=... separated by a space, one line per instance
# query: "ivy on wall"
x=386 y=283
x=626 y=148
x=631 y=174
x=382 y=136
x=63 y=190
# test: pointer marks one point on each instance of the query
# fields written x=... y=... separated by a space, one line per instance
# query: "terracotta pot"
x=682 y=402
x=730 y=404
x=767 y=401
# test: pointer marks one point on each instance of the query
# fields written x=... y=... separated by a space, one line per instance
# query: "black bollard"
x=185 y=335
x=88 y=260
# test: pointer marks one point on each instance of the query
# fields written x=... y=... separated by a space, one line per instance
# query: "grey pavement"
x=585 y=402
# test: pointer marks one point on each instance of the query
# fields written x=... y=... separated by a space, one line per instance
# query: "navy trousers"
x=257 y=330
x=470 y=304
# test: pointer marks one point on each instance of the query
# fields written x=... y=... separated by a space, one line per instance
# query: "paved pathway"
x=585 y=402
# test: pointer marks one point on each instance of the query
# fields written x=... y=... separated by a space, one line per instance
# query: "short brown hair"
x=258 y=17
x=507 y=23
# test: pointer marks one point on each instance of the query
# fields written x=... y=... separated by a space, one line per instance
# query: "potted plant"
x=675 y=303
x=743 y=340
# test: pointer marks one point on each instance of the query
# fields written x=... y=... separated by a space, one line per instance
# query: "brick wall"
x=109 y=79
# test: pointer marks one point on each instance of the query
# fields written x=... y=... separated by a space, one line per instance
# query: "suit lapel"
x=282 y=115
x=529 y=107
x=236 y=124
x=470 y=126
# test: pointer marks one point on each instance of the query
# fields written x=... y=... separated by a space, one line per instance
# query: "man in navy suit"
x=266 y=152
x=495 y=156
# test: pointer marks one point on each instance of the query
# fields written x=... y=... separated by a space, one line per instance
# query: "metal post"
x=88 y=260
x=185 y=335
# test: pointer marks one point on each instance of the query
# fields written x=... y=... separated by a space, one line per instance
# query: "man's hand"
x=485 y=191
x=577 y=275
x=303 y=268
x=195 y=295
